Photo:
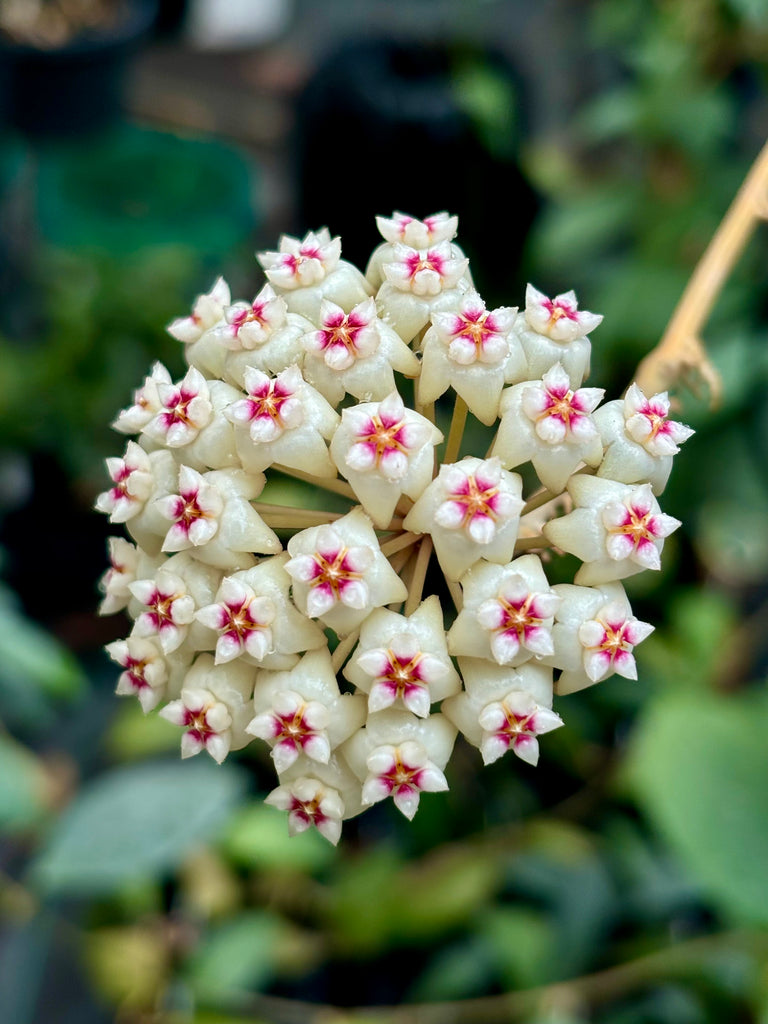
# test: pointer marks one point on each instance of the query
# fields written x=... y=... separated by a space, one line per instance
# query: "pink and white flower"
x=404 y=660
x=146 y=403
x=472 y=510
x=194 y=512
x=425 y=271
x=133 y=484
x=302 y=263
x=385 y=451
x=475 y=352
x=283 y=420
x=124 y=559
x=212 y=708
x=401 y=756
x=301 y=711
x=507 y=612
x=594 y=635
x=420 y=234
x=250 y=325
x=550 y=425
x=310 y=802
x=339 y=573
x=514 y=723
x=145 y=670
x=616 y=529
x=169 y=609
x=185 y=410
x=640 y=439
x=608 y=641
x=560 y=318
x=207 y=311
x=242 y=619
x=503 y=708
x=355 y=353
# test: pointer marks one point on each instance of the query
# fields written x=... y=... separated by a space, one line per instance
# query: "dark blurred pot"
x=382 y=125
x=76 y=88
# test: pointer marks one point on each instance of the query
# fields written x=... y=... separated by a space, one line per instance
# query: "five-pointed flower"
x=617 y=530
x=404 y=660
x=207 y=311
x=472 y=510
x=507 y=612
x=339 y=573
x=385 y=451
x=302 y=711
x=639 y=438
x=550 y=425
x=503 y=709
x=475 y=352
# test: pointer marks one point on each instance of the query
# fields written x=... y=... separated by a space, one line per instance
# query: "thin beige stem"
x=680 y=354
x=456 y=431
x=344 y=650
x=332 y=484
x=399 y=560
x=405 y=540
x=542 y=497
x=456 y=595
x=531 y=544
x=419 y=575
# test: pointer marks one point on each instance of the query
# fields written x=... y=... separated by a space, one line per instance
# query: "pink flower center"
x=160 y=606
x=292 y=727
x=247 y=316
x=196 y=724
x=305 y=253
x=188 y=510
x=518 y=616
x=238 y=622
x=432 y=260
x=308 y=811
x=402 y=674
x=475 y=326
x=615 y=639
x=334 y=571
x=341 y=329
x=477 y=498
x=177 y=408
x=657 y=417
x=384 y=437
x=558 y=310
x=268 y=399
x=134 y=669
x=638 y=525
x=562 y=404
x=401 y=775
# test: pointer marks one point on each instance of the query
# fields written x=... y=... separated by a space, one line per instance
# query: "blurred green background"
x=624 y=880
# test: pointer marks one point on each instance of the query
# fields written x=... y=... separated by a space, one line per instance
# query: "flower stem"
x=680 y=351
x=343 y=650
x=389 y=547
x=456 y=431
x=419 y=575
x=531 y=543
x=327 y=483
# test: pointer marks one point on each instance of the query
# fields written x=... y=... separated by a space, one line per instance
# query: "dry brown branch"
x=680 y=357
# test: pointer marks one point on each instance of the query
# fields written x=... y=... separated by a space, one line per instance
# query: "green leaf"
x=135 y=822
x=523 y=943
x=257 y=837
x=22 y=787
x=31 y=657
x=697 y=767
x=236 y=957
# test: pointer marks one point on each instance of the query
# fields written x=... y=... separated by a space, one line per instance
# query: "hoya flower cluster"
x=357 y=643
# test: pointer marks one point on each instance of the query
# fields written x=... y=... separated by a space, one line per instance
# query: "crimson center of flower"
x=638 y=525
x=402 y=673
x=334 y=571
x=196 y=723
x=401 y=774
x=477 y=500
x=518 y=616
x=384 y=438
x=292 y=726
x=431 y=261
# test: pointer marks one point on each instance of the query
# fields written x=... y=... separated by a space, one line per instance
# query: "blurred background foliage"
x=624 y=880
